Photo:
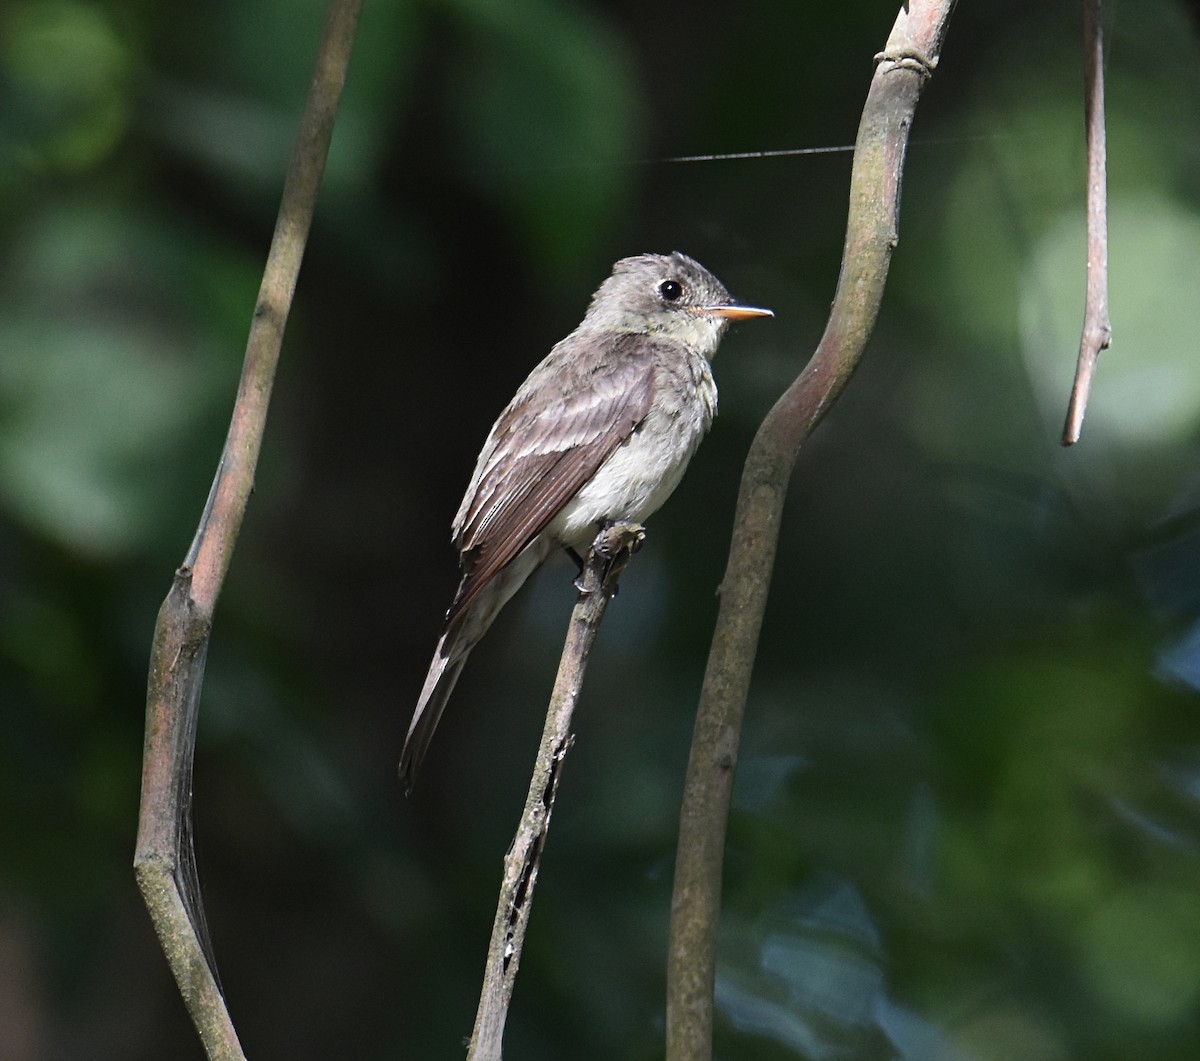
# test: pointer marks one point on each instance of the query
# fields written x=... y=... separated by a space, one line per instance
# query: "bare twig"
x=1097 y=329
x=164 y=860
x=597 y=583
x=907 y=61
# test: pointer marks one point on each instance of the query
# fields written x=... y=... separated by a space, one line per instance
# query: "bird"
x=601 y=430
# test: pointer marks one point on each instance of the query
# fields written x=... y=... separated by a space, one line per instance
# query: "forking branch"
x=164 y=861
x=906 y=63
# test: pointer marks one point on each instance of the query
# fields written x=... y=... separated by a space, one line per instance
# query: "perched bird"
x=601 y=430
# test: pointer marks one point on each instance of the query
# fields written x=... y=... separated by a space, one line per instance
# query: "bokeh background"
x=967 y=820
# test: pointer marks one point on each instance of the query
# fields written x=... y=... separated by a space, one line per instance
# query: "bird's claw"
x=616 y=542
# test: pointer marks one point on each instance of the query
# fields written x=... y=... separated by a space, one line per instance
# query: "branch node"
x=905 y=59
x=1097 y=330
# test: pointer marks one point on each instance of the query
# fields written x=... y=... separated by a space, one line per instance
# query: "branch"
x=164 y=862
x=1097 y=329
x=597 y=584
x=902 y=69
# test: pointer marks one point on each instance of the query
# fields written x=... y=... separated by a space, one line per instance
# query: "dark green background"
x=967 y=818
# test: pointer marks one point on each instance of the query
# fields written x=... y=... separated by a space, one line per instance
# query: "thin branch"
x=902 y=69
x=164 y=861
x=597 y=584
x=1097 y=329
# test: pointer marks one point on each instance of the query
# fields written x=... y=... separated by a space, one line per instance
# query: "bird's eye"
x=670 y=290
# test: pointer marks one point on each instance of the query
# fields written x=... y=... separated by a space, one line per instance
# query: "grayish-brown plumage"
x=601 y=430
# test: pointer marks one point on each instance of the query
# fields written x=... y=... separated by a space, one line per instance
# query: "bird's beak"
x=734 y=312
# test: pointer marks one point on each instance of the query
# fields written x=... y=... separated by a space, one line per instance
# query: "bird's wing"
x=541 y=452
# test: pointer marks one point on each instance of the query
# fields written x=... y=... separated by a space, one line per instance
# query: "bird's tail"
x=439 y=684
x=462 y=633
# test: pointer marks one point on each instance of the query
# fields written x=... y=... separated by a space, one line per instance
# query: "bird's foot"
x=617 y=541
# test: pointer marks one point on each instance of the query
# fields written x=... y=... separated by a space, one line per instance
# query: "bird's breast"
x=644 y=470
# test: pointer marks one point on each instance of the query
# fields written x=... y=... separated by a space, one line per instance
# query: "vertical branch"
x=163 y=861
x=597 y=584
x=1097 y=329
x=909 y=58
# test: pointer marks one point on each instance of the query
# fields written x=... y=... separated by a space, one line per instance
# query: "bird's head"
x=668 y=295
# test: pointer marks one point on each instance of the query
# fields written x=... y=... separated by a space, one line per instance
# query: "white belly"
x=635 y=480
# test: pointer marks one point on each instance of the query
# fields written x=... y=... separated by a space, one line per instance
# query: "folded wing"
x=540 y=453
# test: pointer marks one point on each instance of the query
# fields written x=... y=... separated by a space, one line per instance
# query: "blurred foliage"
x=967 y=820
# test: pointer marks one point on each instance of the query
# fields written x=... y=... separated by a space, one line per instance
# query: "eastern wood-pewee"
x=601 y=430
